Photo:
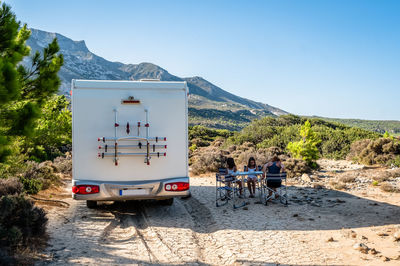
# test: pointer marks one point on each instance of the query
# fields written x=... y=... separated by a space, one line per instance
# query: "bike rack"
x=150 y=148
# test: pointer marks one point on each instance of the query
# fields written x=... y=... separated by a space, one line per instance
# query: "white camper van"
x=130 y=140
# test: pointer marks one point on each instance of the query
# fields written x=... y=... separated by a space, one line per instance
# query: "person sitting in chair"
x=231 y=171
x=275 y=166
x=251 y=178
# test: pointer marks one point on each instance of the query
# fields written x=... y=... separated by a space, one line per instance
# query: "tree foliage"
x=53 y=131
x=23 y=90
x=306 y=148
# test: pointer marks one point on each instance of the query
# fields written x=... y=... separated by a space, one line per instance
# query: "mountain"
x=208 y=104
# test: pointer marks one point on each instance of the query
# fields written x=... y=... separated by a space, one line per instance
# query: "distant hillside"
x=209 y=105
x=380 y=126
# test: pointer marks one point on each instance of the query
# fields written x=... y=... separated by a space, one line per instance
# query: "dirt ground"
x=320 y=226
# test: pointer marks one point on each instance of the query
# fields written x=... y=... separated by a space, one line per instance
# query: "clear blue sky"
x=327 y=58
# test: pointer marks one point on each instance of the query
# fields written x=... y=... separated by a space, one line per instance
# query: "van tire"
x=167 y=202
x=91 y=204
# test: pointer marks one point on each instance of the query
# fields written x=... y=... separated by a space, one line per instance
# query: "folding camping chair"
x=276 y=181
x=227 y=190
x=259 y=181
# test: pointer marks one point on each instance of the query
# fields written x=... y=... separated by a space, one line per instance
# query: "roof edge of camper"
x=129 y=84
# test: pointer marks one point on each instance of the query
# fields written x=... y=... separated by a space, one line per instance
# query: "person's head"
x=252 y=162
x=230 y=162
x=275 y=159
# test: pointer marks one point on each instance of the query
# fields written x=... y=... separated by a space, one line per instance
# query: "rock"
x=295 y=215
x=382 y=234
x=353 y=234
x=306 y=178
x=373 y=251
x=396 y=236
x=340 y=201
x=364 y=238
x=361 y=247
x=330 y=239
x=384 y=258
x=245 y=208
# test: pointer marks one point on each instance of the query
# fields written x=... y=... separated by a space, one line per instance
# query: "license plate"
x=133 y=192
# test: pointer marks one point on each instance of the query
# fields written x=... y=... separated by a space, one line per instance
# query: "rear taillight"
x=177 y=186
x=85 y=189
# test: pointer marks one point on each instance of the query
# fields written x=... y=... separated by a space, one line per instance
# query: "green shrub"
x=15 y=163
x=306 y=149
x=395 y=161
x=53 y=133
x=267 y=132
x=31 y=186
x=202 y=136
x=39 y=176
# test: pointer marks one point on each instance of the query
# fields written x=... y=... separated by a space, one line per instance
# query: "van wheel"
x=167 y=202
x=91 y=204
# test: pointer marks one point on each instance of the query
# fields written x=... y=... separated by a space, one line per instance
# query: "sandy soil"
x=318 y=227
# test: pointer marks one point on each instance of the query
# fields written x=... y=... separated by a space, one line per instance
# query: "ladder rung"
x=119 y=154
x=132 y=138
x=143 y=146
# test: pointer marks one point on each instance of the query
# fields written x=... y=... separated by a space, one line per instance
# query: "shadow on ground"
x=308 y=209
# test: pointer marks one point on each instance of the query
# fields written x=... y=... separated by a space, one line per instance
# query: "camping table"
x=242 y=176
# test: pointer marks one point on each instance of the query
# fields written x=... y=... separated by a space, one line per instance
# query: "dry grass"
x=387 y=187
x=347 y=179
x=10 y=186
x=379 y=151
x=381 y=176
x=63 y=164
x=393 y=172
x=338 y=185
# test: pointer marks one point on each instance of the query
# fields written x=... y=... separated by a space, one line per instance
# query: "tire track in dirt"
x=205 y=225
x=107 y=231
x=156 y=232
x=159 y=251
x=202 y=217
x=137 y=224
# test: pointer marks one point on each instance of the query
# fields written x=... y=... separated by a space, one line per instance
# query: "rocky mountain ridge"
x=209 y=104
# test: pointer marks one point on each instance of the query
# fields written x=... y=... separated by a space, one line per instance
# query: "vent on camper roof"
x=149 y=79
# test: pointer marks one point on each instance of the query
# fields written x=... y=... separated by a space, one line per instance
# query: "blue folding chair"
x=227 y=190
x=275 y=186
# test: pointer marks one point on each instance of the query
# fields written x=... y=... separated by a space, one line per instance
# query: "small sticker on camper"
x=130 y=100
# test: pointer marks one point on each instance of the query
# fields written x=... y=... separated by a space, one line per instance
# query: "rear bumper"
x=152 y=189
